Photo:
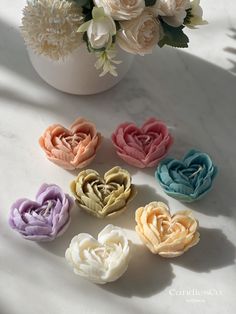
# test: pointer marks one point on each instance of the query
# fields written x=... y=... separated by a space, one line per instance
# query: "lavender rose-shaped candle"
x=45 y=218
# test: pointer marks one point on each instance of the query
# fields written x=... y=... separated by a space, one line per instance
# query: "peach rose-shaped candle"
x=163 y=234
x=145 y=146
x=71 y=148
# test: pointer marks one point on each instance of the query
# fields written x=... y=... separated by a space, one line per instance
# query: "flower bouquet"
x=55 y=28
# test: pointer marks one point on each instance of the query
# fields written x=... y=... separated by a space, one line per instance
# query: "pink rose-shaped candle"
x=71 y=148
x=142 y=147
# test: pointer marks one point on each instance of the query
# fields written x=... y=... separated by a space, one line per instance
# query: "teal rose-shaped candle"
x=188 y=179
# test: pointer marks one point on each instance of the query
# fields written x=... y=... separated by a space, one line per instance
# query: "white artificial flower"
x=106 y=61
x=49 y=27
x=173 y=12
x=140 y=35
x=194 y=17
x=100 y=29
x=102 y=260
x=121 y=9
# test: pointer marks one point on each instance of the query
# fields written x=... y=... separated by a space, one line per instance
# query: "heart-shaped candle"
x=102 y=260
x=105 y=196
x=188 y=179
x=45 y=218
x=71 y=148
x=145 y=146
x=163 y=234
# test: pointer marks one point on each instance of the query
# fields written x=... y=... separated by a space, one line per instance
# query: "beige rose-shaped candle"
x=121 y=9
x=140 y=35
x=163 y=234
x=71 y=148
x=106 y=196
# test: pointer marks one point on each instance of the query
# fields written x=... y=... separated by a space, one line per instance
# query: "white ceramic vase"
x=76 y=74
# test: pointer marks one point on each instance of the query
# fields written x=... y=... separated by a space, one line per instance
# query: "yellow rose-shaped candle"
x=163 y=234
x=106 y=196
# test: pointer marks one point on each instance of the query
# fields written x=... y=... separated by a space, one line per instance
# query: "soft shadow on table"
x=145 y=195
x=5 y=306
x=81 y=222
x=214 y=251
x=106 y=158
x=209 y=205
x=147 y=275
x=14 y=54
x=150 y=273
x=155 y=78
x=232 y=50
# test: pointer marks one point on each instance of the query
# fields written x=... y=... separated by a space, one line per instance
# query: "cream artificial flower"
x=140 y=35
x=173 y=12
x=194 y=15
x=103 y=260
x=100 y=29
x=121 y=9
x=106 y=61
x=49 y=27
x=163 y=234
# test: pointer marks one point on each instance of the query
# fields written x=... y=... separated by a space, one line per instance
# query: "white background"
x=194 y=91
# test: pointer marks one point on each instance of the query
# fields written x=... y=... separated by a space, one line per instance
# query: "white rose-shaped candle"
x=103 y=260
x=121 y=9
x=140 y=35
x=100 y=29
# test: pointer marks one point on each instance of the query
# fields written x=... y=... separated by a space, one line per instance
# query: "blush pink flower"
x=71 y=148
x=142 y=147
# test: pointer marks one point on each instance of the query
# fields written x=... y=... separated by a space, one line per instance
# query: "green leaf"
x=118 y=27
x=82 y=3
x=113 y=39
x=89 y=47
x=89 y=5
x=188 y=17
x=150 y=3
x=173 y=36
x=88 y=17
x=85 y=38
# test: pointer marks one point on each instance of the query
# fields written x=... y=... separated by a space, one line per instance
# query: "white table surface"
x=194 y=91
